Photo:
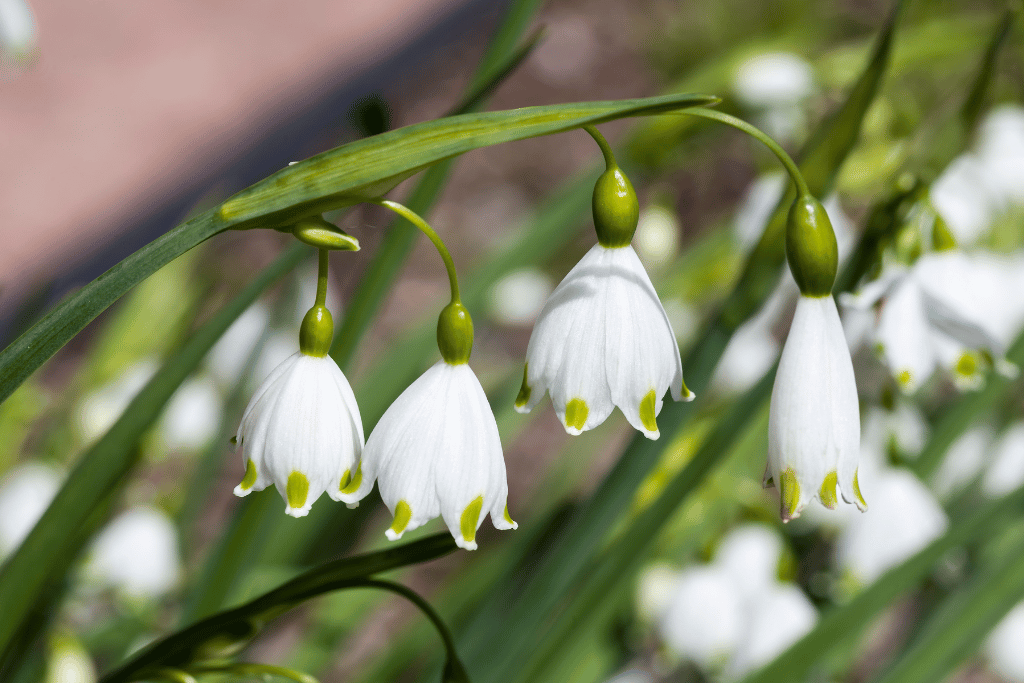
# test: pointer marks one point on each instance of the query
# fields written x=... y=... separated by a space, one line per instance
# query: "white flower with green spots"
x=947 y=310
x=814 y=419
x=436 y=451
x=603 y=340
x=301 y=432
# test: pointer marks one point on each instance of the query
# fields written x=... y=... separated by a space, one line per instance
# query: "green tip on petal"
x=250 y=476
x=789 y=494
x=967 y=365
x=904 y=378
x=350 y=483
x=508 y=518
x=233 y=440
x=297 y=489
x=828 y=490
x=856 y=491
x=344 y=480
x=524 y=391
x=576 y=412
x=647 y=411
x=403 y=513
x=469 y=520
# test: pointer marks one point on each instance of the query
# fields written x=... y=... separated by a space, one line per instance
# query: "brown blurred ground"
x=127 y=100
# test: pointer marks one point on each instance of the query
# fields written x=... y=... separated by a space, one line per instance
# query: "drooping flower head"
x=436 y=450
x=814 y=419
x=603 y=338
x=302 y=431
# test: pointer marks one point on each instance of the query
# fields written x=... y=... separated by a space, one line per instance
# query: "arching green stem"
x=606 y=149
x=414 y=218
x=321 y=279
x=740 y=124
x=454 y=669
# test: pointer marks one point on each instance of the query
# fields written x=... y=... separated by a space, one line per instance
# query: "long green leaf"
x=79 y=507
x=960 y=625
x=496 y=636
x=796 y=662
x=335 y=179
x=224 y=633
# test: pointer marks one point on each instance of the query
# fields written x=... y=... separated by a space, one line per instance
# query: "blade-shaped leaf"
x=340 y=177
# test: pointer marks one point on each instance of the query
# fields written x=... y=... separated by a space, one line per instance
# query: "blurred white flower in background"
x=756 y=208
x=734 y=614
x=519 y=296
x=949 y=309
x=137 y=554
x=1004 y=646
x=775 y=84
x=981 y=184
x=100 y=409
x=1005 y=471
x=778 y=617
x=904 y=517
x=963 y=461
x=655 y=590
x=753 y=347
x=227 y=359
x=19 y=36
x=657 y=236
x=25 y=493
x=69 y=662
x=704 y=620
x=192 y=416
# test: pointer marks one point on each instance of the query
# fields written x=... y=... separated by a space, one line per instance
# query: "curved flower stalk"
x=603 y=339
x=302 y=431
x=945 y=309
x=436 y=450
x=814 y=419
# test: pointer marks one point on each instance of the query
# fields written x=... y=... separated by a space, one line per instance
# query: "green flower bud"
x=455 y=333
x=319 y=233
x=316 y=332
x=811 y=247
x=616 y=209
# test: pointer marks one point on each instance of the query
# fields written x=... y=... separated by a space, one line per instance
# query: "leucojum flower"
x=814 y=419
x=302 y=431
x=603 y=339
x=436 y=450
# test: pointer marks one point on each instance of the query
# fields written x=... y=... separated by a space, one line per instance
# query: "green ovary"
x=297 y=489
x=470 y=517
x=576 y=412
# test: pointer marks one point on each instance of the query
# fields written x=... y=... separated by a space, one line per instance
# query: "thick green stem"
x=606 y=149
x=414 y=218
x=740 y=124
x=248 y=669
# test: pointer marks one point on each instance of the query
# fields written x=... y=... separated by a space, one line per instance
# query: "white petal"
x=814 y=419
x=704 y=620
x=905 y=337
x=779 y=618
x=1005 y=655
x=1005 y=472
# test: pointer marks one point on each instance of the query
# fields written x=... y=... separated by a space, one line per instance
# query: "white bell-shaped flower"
x=1003 y=645
x=137 y=554
x=777 y=618
x=436 y=450
x=603 y=340
x=814 y=420
x=302 y=431
x=704 y=621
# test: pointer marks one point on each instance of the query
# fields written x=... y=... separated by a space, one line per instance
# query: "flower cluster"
x=436 y=451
